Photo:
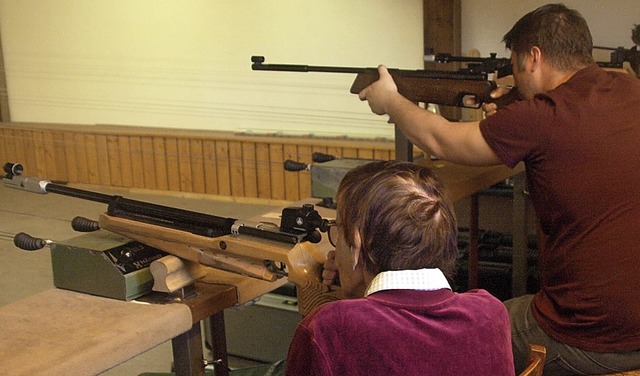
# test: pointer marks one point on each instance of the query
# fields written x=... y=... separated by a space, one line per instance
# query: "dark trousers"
x=561 y=359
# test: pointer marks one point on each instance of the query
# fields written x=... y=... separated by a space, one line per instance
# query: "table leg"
x=472 y=261
x=187 y=353
x=520 y=230
x=219 y=344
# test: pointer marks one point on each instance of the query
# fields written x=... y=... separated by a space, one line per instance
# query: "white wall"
x=485 y=22
x=186 y=63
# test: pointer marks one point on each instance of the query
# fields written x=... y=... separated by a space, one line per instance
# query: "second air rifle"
x=259 y=251
x=442 y=87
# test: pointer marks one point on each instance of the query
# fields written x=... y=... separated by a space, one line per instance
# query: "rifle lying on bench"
x=259 y=251
x=449 y=88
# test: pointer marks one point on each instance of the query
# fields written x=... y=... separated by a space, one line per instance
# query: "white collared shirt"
x=421 y=279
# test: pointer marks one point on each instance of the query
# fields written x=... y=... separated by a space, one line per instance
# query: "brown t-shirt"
x=581 y=146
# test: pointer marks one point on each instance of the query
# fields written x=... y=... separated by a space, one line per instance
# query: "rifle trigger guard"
x=271 y=266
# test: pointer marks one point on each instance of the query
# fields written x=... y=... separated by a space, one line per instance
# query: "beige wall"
x=186 y=63
x=485 y=22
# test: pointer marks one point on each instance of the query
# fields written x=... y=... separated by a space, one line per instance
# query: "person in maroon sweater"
x=395 y=235
x=577 y=130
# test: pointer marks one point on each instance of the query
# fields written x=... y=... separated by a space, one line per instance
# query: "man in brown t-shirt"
x=578 y=132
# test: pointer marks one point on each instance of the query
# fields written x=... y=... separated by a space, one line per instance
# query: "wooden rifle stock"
x=448 y=88
x=245 y=255
x=442 y=91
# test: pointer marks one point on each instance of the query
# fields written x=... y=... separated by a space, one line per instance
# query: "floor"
x=48 y=216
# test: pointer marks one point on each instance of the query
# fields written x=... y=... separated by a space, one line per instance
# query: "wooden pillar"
x=4 y=94
x=442 y=23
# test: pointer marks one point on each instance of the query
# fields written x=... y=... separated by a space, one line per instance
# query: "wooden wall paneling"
x=210 y=168
x=304 y=177
x=349 y=153
x=70 y=156
x=249 y=169
x=291 y=180
x=41 y=157
x=113 y=152
x=184 y=174
x=263 y=165
x=276 y=169
x=30 y=152
x=148 y=163
x=173 y=166
x=58 y=157
x=4 y=156
x=365 y=153
x=381 y=154
x=14 y=145
x=236 y=175
x=49 y=169
x=126 y=171
x=197 y=166
x=336 y=151
x=161 y=169
x=222 y=165
x=10 y=145
x=18 y=145
x=102 y=154
x=136 y=161
x=91 y=149
x=81 y=157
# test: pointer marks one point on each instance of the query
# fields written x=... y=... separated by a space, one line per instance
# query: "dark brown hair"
x=403 y=217
x=561 y=33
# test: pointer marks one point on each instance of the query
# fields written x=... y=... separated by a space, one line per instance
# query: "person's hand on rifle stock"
x=330 y=270
x=380 y=93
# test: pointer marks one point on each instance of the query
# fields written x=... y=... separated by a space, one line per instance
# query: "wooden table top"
x=461 y=181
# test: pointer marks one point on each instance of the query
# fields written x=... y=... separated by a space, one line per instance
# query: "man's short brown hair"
x=561 y=33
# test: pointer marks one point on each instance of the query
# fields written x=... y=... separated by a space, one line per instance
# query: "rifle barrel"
x=258 y=64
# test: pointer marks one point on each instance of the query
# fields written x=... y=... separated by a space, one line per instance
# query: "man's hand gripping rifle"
x=467 y=87
x=260 y=251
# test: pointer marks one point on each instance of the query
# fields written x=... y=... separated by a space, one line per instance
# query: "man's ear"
x=535 y=56
x=355 y=248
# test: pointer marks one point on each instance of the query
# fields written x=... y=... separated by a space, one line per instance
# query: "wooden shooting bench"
x=60 y=332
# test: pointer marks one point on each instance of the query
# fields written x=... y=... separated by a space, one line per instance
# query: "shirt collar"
x=421 y=279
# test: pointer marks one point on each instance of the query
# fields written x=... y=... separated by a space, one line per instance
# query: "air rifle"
x=449 y=88
x=259 y=251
